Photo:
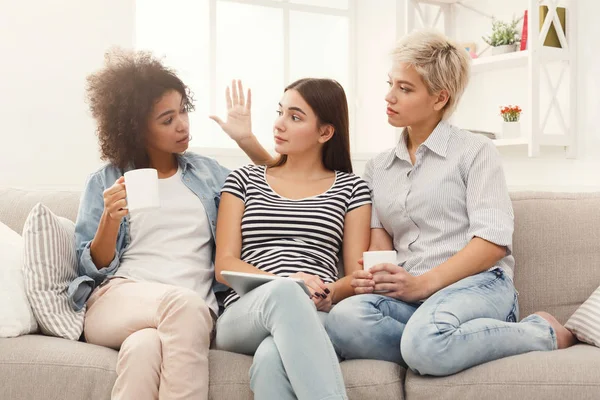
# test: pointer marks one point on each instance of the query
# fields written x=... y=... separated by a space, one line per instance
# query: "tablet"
x=243 y=282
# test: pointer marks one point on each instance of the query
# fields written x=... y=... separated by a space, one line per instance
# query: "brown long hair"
x=328 y=101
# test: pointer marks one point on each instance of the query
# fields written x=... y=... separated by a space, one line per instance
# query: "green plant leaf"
x=503 y=33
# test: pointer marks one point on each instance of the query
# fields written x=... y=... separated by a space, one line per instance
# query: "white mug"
x=372 y=258
x=142 y=189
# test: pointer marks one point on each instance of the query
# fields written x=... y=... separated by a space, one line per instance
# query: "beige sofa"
x=557 y=249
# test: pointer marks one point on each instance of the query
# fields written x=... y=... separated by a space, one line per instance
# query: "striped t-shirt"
x=284 y=236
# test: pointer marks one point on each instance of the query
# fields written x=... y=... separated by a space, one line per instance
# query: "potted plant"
x=511 y=127
x=504 y=37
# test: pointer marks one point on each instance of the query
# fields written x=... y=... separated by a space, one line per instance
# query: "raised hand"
x=239 y=122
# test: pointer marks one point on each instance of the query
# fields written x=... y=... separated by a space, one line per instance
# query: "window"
x=266 y=43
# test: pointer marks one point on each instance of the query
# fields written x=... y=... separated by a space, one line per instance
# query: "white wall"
x=550 y=171
x=48 y=47
x=47 y=136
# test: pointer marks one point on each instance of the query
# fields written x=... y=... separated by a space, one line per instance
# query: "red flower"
x=510 y=113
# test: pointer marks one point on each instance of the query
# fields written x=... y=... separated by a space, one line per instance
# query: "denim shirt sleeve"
x=91 y=208
x=221 y=173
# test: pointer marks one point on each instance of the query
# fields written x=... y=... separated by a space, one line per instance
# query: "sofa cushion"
x=75 y=370
x=562 y=374
x=17 y=318
x=364 y=379
x=15 y=205
x=585 y=323
x=373 y=380
x=556 y=246
x=44 y=367
x=50 y=265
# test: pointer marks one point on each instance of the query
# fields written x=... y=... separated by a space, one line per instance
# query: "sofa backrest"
x=556 y=242
x=15 y=205
x=556 y=245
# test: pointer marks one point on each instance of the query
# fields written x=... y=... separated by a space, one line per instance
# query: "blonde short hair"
x=442 y=64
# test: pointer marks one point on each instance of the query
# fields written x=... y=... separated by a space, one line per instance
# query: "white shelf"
x=538 y=64
x=521 y=141
x=501 y=61
x=515 y=59
x=440 y=1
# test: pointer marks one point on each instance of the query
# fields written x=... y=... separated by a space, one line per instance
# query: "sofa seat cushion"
x=563 y=374
x=364 y=379
x=45 y=367
x=373 y=380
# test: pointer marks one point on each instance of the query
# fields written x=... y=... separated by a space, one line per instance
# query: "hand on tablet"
x=326 y=303
x=319 y=290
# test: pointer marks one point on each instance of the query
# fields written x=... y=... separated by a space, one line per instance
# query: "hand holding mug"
x=376 y=258
x=115 y=202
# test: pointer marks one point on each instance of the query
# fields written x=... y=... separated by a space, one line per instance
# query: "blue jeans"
x=293 y=356
x=465 y=324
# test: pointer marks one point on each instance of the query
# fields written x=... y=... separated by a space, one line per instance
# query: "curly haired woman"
x=147 y=277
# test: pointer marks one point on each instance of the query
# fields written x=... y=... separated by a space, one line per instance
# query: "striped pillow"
x=50 y=264
x=585 y=322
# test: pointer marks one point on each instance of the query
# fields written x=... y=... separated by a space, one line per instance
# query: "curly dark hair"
x=121 y=97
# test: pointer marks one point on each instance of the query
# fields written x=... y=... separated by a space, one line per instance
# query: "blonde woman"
x=440 y=200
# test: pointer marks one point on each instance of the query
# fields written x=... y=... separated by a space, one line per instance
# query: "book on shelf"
x=524 y=32
x=551 y=39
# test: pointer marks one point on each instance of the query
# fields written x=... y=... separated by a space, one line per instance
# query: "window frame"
x=286 y=6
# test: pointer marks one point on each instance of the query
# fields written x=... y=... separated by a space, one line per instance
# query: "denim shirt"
x=203 y=176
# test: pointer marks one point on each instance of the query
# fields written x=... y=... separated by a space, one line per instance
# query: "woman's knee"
x=425 y=349
x=285 y=294
x=187 y=309
x=142 y=348
x=342 y=314
x=284 y=289
x=345 y=319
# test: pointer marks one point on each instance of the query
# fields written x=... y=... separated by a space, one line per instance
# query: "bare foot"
x=564 y=337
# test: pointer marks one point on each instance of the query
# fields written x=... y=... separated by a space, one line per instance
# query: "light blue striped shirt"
x=455 y=191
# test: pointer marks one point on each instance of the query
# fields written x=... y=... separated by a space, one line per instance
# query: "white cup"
x=372 y=258
x=142 y=189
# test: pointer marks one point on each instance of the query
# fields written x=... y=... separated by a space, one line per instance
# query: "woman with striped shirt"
x=290 y=219
x=440 y=200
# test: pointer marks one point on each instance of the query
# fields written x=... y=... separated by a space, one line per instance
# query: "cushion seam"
x=429 y=384
x=221 y=383
x=86 y=366
x=374 y=384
